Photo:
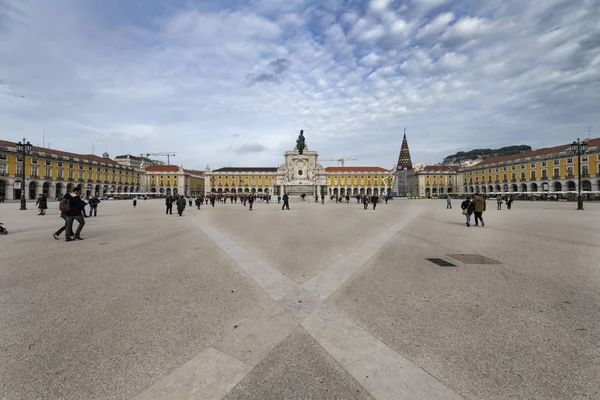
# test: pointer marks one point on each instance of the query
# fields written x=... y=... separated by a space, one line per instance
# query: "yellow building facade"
x=164 y=180
x=435 y=180
x=543 y=171
x=53 y=173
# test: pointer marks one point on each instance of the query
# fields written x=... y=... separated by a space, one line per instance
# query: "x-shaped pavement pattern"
x=215 y=372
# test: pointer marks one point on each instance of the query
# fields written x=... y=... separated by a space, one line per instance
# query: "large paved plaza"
x=319 y=302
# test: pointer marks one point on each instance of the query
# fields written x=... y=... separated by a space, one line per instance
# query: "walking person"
x=499 y=202
x=93 y=203
x=323 y=198
x=63 y=207
x=286 y=202
x=134 y=202
x=509 y=202
x=180 y=205
x=374 y=200
x=251 y=201
x=468 y=207
x=76 y=212
x=42 y=204
x=479 y=209
x=169 y=204
x=365 y=202
x=448 y=202
x=198 y=202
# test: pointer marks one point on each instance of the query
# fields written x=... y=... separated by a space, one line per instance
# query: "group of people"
x=72 y=208
x=475 y=205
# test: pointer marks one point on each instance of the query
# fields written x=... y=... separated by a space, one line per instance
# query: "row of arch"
x=35 y=188
x=438 y=191
x=570 y=186
x=358 y=191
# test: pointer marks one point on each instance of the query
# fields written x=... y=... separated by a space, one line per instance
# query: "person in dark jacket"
x=251 y=200
x=286 y=202
x=365 y=202
x=198 y=202
x=468 y=208
x=76 y=213
x=63 y=215
x=374 y=200
x=169 y=204
x=42 y=204
x=94 y=201
x=180 y=205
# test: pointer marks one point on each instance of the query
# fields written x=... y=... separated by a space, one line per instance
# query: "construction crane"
x=167 y=154
x=341 y=160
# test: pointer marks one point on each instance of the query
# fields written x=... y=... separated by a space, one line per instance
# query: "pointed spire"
x=404 y=160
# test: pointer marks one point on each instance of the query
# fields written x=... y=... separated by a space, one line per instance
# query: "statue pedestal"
x=301 y=173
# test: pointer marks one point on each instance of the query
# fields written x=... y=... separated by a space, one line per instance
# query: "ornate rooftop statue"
x=300 y=143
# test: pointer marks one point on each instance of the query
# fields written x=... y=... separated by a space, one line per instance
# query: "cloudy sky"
x=233 y=82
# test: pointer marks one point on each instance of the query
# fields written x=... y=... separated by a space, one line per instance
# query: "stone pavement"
x=322 y=301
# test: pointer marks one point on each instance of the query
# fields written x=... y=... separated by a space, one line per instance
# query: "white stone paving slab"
x=272 y=281
x=327 y=282
x=342 y=338
x=256 y=338
x=210 y=375
x=389 y=376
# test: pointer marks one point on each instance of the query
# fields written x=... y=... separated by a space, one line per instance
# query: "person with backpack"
x=75 y=212
x=468 y=207
x=169 y=204
x=94 y=201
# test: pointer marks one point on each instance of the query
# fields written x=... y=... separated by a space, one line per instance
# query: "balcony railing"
x=585 y=175
x=3 y=173
x=544 y=177
x=513 y=180
x=497 y=181
x=48 y=177
x=71 y=179
x=33 y=176
x=523 y=180
x=556 y=177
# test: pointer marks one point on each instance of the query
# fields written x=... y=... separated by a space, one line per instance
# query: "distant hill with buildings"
x=480 y=154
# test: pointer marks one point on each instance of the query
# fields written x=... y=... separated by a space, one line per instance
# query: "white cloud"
x=205 y=80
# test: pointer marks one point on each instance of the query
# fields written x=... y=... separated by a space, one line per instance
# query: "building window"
x=34 y=160
x=522 y=166
x=532 y=165
x=533 y=175
x=523 y=175
x=584 y=158
x=60 y=165
x=71 y=176
x=2 y=156
x=569 y=161
x=585 y=170
x=70 y=165
x=543 y=163
x=2 y=169
x=48 y=163
x=569 y=172
x=60 y=174
x=19 y=169
x=556 y=173
x=48 y=172
x=80 y=166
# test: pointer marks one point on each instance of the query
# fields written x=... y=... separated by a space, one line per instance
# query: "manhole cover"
x=440 y=262
x=473 y=259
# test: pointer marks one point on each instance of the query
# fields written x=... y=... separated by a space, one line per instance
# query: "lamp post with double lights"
x=23 y=149
x=579 y=147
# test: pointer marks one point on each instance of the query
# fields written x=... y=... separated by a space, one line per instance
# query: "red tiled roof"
x=89 y=157
x=533 y=153
x=356 y=169
x=162 y=168
x=441 y=168
x=193 y=171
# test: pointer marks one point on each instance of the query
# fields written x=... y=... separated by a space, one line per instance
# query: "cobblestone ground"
x=322 y=301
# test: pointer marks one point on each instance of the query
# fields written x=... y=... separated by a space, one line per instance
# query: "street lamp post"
x=22 y=149
x=579 y=147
